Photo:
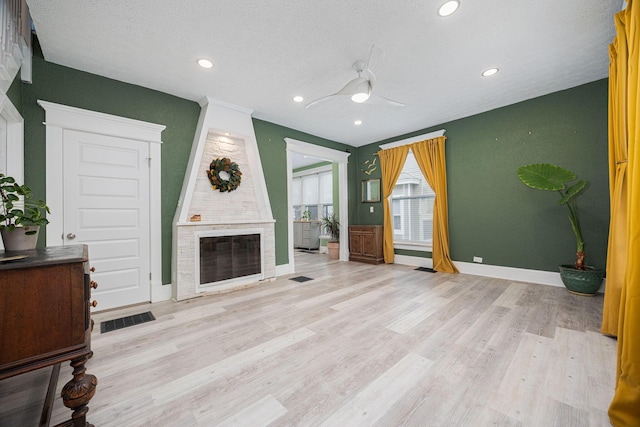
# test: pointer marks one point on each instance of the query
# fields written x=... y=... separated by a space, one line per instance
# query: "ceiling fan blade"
x=353 y=86
x=391 y=101
x=372 y=78
x=318 y=101
x=374 y=56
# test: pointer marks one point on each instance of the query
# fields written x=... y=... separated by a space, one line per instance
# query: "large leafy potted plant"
x=331 y=224
x=20 y=217
x=578 y=278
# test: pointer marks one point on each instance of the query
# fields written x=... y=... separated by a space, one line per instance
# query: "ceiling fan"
x=360 y=89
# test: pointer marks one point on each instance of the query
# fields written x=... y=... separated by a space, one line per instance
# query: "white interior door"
x=106 y=206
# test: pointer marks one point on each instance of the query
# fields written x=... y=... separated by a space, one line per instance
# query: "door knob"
x=71 y=236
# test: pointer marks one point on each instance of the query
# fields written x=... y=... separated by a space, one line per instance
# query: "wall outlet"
x=371 y=209
x=477 y=259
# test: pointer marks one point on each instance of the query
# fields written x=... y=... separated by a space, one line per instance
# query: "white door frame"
x=14 y=149
x=59 y=118
x=340 y=157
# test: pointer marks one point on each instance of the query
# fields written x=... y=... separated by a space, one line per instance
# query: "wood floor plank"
x=371 y=403
x=261 y=413
x=188 y=383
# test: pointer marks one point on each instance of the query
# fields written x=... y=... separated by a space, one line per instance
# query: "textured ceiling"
x=265 y=52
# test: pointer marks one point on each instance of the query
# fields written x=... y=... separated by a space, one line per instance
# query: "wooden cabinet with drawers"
x=365 y=243
x=45 y=319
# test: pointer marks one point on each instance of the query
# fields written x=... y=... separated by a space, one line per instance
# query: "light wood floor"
x=359 y=345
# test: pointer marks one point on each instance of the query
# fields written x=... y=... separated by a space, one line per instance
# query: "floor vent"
x=123 y=322
x=301 y=279
x=427 y=269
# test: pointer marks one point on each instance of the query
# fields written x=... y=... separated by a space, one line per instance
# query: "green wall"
x=491 y=213
x=75 y=88
x=273 y=154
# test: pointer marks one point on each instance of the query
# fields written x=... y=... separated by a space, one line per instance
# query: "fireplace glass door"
x=229 y=257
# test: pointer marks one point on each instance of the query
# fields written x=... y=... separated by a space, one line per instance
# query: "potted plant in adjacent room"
x=331 y=226
x=578 y=278
x=20 y=217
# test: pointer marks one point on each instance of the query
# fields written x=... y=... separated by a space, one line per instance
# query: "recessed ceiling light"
x=490 y=72
x=448 y=8
x=298 y=98
x=205 y=63
x=357 y=122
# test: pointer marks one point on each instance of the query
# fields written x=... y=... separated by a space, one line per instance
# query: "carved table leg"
x=77 y=392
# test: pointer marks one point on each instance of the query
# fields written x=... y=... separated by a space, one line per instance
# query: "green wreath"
x=226 y=166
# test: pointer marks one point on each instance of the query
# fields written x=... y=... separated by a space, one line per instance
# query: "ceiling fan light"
x=360 y=97
x=205 y=63
x=448 y=8
x=490 y=72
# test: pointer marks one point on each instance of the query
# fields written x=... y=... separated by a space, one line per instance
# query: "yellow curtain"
x=430 y=157
x=625 y=406
x=617 y=250
x=391 y=163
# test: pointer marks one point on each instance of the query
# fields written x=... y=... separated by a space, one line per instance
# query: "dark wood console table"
x=45 y=319
x=365 y=243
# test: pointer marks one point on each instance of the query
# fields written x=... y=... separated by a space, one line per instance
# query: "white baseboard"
x=498 y=272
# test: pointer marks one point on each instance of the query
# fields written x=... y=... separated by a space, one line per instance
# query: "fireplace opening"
x=228 y=257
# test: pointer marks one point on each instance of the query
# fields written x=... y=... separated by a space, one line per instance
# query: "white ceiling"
x=265 y=52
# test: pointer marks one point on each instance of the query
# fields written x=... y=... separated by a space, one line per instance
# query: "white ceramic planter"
x=18 y=240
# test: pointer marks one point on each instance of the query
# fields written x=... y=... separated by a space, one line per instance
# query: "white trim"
x=549 y=278
x=413 y=139
x=284 y=269
x=226 y=222
x=14 y=149
x=62 y=117
x=340 y=157
x=158 y=291
x=220 y=118
x=414 y=261
x=161 y=293
x=15 y=139
x=72 y=118
x=420 y=247
x=313 y=171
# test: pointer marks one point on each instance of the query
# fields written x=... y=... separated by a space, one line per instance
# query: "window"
x=313 y=193
x=412 y=207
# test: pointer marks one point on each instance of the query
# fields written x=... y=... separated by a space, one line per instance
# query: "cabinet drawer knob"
x=93 y=303
x=92 y=269
x=94 y=284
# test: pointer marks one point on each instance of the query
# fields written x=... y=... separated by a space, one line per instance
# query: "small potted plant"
x=20 y=220
x=331 y=226
x=578 y=278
